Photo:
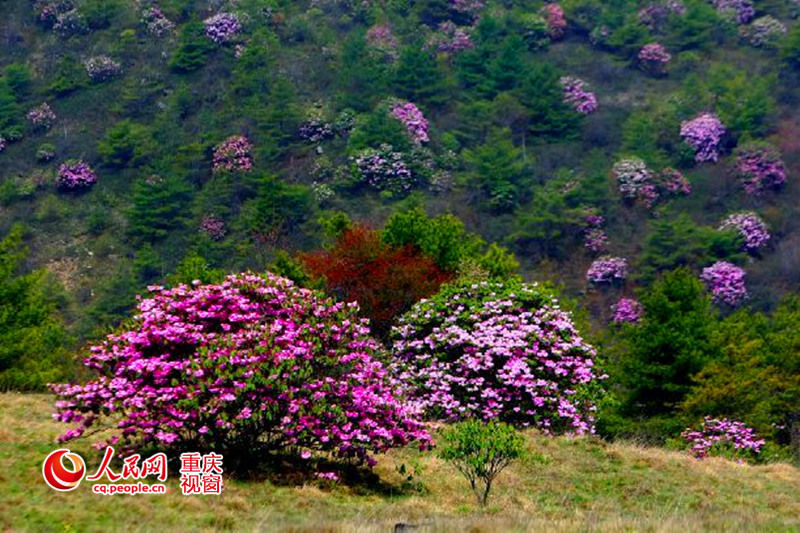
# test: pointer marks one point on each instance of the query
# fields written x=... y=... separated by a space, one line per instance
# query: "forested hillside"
x=430 y=160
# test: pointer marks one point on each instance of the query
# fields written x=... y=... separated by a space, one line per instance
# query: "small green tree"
x=193 y=50
x=480 y=451
x=497 y=166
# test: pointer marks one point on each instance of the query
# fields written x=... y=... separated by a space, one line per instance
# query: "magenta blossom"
x=222 y=27
x=607 y=269
x=704 y=133
x=760 y=167
x=750 y=226
x=715 y=435
x=413 y=119
x=627 y=310
x=576 y=94
x=726 y=282
x=74 y=175
x=234 y=154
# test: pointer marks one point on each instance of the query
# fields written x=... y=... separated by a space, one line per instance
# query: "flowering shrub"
x=102 y=68
x=750 y=226
x=627 y=310
x=607 y=269
x=222 y=27
x=70 y=22
x=595 y=239
x=764 y=31
x=576 y=95
x=502 y=351
x=213 y=227
x=315 y=129
x=413 y=119
x=45 y=152
x=556 y=23
x=760 y=167
x=466 y=6
x=233 y=155
x=674 y=182
x=75 y=175
x=42 y=116
x=632 y=174
x=385 y=280
x=726 y=282
x=384 y=169
x=381 y=38
x=155 y=22
x=654 y=58
x=704 y=134
x=251 y=365
x=654 y=15
x=450 y=38
x=724 y=437
x=739 y=11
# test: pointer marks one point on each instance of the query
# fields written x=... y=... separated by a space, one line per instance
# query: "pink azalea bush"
x=739 y=11
x=704 y=134
x=627 y=311
x=632 y=175
x=213 y=227
x=497 y=351
x=75 y=175
x=656 y=14
x=413 y=119
x=556 y=22
x=222 y=27
x=384 y=169
x=607 y=269
x=720 y=436
x=234 y=154
x=102 y=68
x=750 y=226
x=674 y=182
x=381 y=38
x=245 y=367
x=594 y=237
x=316 y=129
x=42 y=116
x=654 y=57
x=759 y=167
x=726 y=282
x=578 y=96
x=450 y=38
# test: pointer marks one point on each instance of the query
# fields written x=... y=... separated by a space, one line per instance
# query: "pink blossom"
x=704 y=133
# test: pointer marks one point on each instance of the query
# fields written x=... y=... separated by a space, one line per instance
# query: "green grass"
x=564 y=485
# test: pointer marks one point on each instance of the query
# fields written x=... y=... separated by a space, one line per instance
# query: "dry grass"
x=566 y=485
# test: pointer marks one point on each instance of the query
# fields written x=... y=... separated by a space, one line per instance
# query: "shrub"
x=607 y=269
x=739 y=11
x=384 y=169
x=413 y=120
x=222 y=27
x=632 y=175
x=234 y=154
x=556 y=23
x=723 y=437
x=155 y=22
x=497 y=351
x=45 y=152
x=576 y=95
x=385 y=280
x=750 y=226
x=626 y=310
x=42 y=116
x=480 y=451
x=704 y=134
x=75 y=174
x=248 y=366
x=726 y=282
x=126 y=143
x=760 y=167
x=764 y=31
x=654 y=58
x=102 y=68
x=450 y=39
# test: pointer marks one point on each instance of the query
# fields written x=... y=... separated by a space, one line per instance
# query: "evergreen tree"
x=159 y=206
x=418 y=78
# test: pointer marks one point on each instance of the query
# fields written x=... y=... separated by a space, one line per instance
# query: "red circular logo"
x=57 y=476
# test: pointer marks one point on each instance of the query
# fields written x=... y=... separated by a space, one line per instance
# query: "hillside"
x=566 y=485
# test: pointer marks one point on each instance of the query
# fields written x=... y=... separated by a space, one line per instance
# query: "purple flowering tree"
x=234 y=154
x=578 y=96
x=607 y=269
x=723 y=437
x=750 y=226
x=498 y=351
x=726 y=282
x=413 y=120
x=704 y=134
x=759 y=167
x=222 y=27
x=250 y=366
x=626 y=311
x=75 y=175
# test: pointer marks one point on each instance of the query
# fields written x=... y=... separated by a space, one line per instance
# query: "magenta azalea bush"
x=759 y=167
x=739 y=11
x=750 y=226
x=251 y=365
x=155 y=22
x=654 y=58
x=607 y=269
x=674 y=182
x=42 y=116
x=213 y=227
x=726 y=282
x=234 y=154
x=384 y=168
x=222 y=27
x=450 y=38
x=576 y=94
x=315 y=129
x=594 y=237
x=626 y=311
x=704 y=134
x=497 y=351
x=556 y=22
x=413 y=119
x=75 y=175
x=723 y=437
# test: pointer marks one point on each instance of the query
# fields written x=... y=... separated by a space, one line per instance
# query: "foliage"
x=494 y=350
x=728 y=438
x=239 y=368
x=480 y=451
x=126 y=143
